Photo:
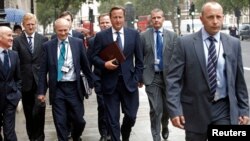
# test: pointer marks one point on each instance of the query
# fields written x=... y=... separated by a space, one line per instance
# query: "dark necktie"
x=118 y=40
x=30 y=44
x=212 y=65
x=159 y=46
x=6 y=62
x=61 y=61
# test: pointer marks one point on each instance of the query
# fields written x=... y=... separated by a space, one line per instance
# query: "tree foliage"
x=48 y=10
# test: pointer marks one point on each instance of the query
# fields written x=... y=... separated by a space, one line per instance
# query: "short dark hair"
x=66 y=13
x=117 y=8
x=17 y=27
x=102 y=15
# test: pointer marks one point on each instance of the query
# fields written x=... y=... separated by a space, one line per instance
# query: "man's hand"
x=140 y=85
x=178 y=121
x=110 y=65
x=243 y=120
x=42 y=98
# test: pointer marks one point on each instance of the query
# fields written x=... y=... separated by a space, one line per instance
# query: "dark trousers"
x=102 y=116
x=67 y=101
x=8 y=117
x=220 y=116
x=129 y=103
x=34 y=121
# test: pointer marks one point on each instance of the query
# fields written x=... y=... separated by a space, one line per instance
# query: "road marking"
x=245 y=68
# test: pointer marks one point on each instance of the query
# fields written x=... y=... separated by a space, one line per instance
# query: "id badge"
x=157 y=61
x=65 y=69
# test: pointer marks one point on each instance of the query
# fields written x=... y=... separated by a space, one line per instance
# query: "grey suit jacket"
x=148 y=45
x=188 y=84
x=29 y=63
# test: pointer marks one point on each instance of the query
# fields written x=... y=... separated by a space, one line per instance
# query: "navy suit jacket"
x=131 y=68
x=10 y=84
x=49 y=65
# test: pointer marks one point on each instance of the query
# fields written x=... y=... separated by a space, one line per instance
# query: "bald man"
x=63 y=59
x=206 y=84
x=10 y=84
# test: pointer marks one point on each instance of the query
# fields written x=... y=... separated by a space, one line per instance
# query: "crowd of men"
x=194 y=80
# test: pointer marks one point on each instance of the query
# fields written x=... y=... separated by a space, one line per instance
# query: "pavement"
x=140 y=132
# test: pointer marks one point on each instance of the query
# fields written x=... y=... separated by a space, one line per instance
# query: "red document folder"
x=112 y=51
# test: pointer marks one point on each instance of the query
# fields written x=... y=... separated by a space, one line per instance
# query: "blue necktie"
x=61 y=61
x=6 y=62
x=30 y=44
x=159 y=46
x=118 y=40
x=212 y=65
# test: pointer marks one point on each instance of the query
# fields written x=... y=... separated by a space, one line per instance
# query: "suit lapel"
x=166 y=40
x=1 y=69
x=73 y=51
x=36 y=42
x=151 y=39
x=54 y=50
x=199 y=49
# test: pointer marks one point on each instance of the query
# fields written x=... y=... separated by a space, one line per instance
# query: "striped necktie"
x=30 y=44
x=212 y=65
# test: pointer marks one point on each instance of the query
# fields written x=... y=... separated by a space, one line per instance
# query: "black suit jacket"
x=10 y=84
x=49 y=65
x=29 y=63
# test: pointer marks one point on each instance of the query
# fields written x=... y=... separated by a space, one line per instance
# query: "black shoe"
x=108 y=138
x=103 y=138
x=165 y=133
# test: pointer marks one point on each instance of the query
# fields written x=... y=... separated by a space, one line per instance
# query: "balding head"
x=62 y=27
x=6 y=37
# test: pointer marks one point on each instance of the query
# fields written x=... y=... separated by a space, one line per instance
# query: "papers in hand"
x=112 y=51
x=86 y=86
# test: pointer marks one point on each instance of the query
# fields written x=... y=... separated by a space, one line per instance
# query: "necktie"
x=30 y=44
x=211 y=65
x=61 y=61
x=159 y=46
x=118 y=40
x=6 y=62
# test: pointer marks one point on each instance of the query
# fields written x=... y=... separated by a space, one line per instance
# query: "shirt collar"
x=121 y=31
x=32 y=35
x=205 y=35
x=161 y=30
x=2 y=49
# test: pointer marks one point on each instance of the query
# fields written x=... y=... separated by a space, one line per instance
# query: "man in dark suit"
x=120 y=81
x=10 y=84
x=67 y=15
x=157 y=56
x=205 y=80
x=29 y=48
x=64 y=58
x=104 y=23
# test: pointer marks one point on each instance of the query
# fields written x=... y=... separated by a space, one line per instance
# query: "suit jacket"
x=131 y=68
x=148 y=44
x=10 y=84
x=29 y=63
x=49 y=65
x=74 y=34
x=188 y=83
